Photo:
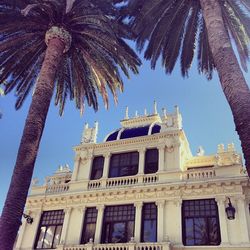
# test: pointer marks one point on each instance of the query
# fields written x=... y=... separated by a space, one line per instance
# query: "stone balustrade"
x=127 y=181
x=57 y=188
x=120 y=246
x=199 y=174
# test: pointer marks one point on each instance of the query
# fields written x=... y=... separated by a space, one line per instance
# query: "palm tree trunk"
x=26 y=157
x=231 y=77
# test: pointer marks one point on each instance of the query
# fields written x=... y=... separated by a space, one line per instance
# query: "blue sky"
x=207 y=119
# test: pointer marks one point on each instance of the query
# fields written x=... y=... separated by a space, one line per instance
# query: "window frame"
x=118 y=169
x=91 y=215
x=96 y=167
x=152 y=217
x=208 y=215
x=56 y=221
x=147 y=168
x=110 y=220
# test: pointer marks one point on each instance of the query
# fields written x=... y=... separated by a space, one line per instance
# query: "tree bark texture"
x=231 y=77
x=28 y=148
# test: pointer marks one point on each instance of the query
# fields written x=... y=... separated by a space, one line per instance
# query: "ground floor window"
x=118 y=224
x=149 y=223
x=200 y=223
x=50 y=228
x=89 y=225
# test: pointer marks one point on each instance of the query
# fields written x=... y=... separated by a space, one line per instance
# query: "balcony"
x=123 y=181
x=119 y=246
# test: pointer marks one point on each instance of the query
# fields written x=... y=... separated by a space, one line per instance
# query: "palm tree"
x=73 y=47
x=172 y=29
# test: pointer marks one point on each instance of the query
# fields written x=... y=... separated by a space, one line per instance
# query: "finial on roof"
x=164 y=111
x=200 y=151
x=145 y=112
x=126 y=113
x=86 y=125
x=155 y=108
x=176 y=109
x=136 y=113
x=96 y=125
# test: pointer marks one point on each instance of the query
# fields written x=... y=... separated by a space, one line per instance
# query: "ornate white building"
x=141 y=189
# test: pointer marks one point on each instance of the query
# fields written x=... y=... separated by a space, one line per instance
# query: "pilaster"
x=241 y=214
x=81 y=211
x=161 y=149
x=76 y=167
x=67 y=213
x=223 y=220
x=138 y=217
x=99 y=221
x=141 y=161
x=106 y=165
x=160 y=220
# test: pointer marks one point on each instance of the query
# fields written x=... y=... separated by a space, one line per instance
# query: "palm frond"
x=189 y=42
x=91 y=65
x=205 y=59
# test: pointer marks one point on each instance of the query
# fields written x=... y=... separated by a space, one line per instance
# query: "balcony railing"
x=57 y=188
x=126 y=181
x=123 y=181
x=119 y=246
x=199 y=174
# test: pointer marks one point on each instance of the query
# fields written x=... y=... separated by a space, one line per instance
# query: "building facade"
x=141 y=189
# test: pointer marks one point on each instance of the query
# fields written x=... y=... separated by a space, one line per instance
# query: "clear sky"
x=207 y=119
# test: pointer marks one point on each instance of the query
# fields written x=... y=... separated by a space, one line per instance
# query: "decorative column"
x=67 y=212
x=160 y=220
x=106 y=165
x=223 y=220
x=76 y=167
x=161 y=149
x=141 y=161
x=138 y=222
x=178 y=221
x=82 y=211
x=98 y=231
x=241 y=214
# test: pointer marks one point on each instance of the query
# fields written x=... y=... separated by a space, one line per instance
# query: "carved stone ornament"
x=62 y=34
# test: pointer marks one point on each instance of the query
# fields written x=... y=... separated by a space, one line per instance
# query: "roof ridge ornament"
x=155 y=108
x=126 y=114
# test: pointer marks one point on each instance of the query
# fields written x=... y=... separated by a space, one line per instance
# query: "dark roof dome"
x=125 y=133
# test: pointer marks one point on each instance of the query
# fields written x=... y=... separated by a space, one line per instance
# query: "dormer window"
x=97 y=168
x=124 y=164
x=151 y=161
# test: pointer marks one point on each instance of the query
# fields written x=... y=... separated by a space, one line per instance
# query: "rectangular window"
x=149 y=223
x=151 y=161
x=124 y=164
x=97 y=168
x=50 y=229
x=89 y=226
x=200 y=222
x=118 y=225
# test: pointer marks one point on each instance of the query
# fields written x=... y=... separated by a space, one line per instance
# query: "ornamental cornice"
x=130 y=194
x=154 y=139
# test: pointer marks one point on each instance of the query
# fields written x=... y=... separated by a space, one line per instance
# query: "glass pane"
x=57 y=236
x=89 y=232
x=150 y=230
x=47 y=243
x=118 y=232
x=200 y=231
x=214 y=232
x=189 y=227
x=41 y=237
x=130 y=230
